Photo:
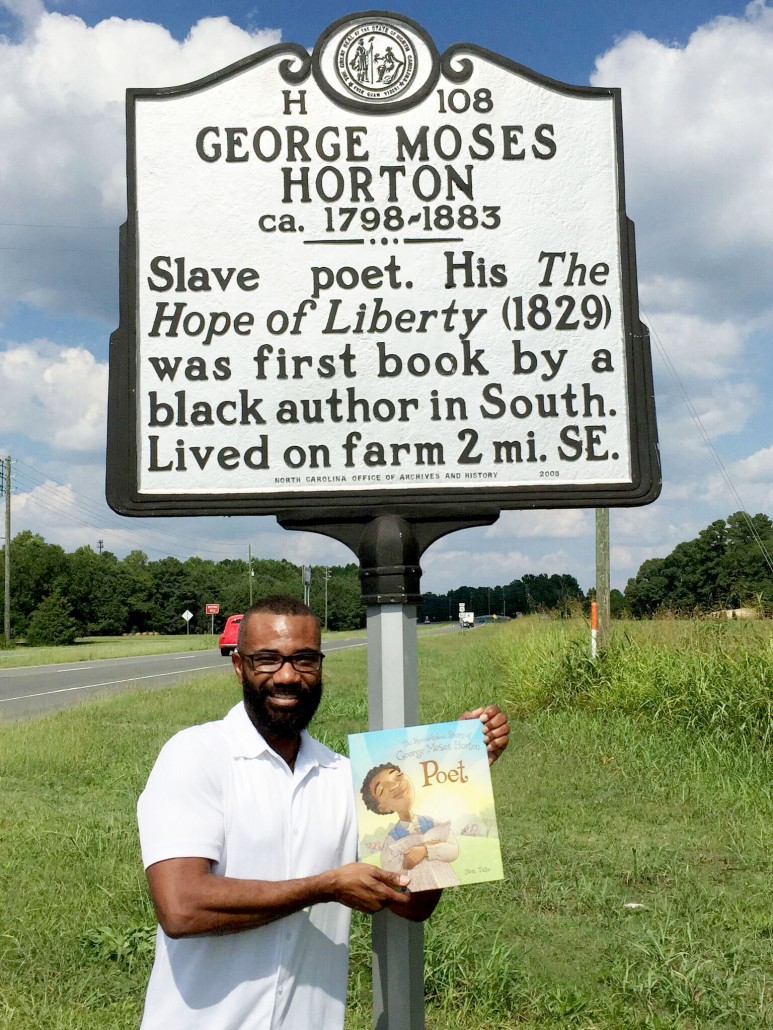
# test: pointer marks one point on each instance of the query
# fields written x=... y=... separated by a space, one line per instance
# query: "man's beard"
x=282 y=723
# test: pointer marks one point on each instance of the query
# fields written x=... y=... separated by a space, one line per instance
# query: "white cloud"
x=757 y=467
x=54 y=511
x=752 y=478
x=53 y=395
x=540 y=525
x=62 y=123
x=697 y=347
x=447 y=568
x=699 y=159
x=29 y=12
x=699 y=185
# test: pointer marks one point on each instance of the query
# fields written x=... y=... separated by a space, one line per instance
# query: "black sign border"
x=122 y=478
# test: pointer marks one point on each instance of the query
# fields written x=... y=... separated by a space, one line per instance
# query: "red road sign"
x=212 y=609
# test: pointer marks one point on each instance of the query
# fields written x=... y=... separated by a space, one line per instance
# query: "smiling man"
x=249 y=837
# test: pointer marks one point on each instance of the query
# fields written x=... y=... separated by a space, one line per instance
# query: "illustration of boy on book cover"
x=425 y=806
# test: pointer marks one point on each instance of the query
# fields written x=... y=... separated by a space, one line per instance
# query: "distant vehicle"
x=467 y=620
x=230 y=633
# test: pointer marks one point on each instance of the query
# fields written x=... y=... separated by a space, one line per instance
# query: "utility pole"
x=249 y=569
x=326 y=574
x=100 y=545
x=5 y=481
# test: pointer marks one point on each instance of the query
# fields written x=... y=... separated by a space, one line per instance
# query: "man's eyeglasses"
x=272 y=661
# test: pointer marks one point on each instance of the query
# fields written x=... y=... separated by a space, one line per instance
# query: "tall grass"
x=700 y=676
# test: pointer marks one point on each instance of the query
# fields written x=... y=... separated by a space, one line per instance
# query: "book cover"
x=425 y=805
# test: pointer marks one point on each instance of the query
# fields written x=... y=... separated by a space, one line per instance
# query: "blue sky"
x=697 y=83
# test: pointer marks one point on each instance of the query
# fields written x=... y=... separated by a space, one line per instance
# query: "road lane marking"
x=108 y=683
x=136 y=679
x=71 y=666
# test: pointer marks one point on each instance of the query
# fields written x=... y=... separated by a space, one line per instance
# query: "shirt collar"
x=246 y=742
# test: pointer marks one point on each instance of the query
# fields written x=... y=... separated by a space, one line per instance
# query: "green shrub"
x=52 y=622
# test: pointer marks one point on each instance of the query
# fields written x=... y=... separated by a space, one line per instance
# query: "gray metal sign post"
x=393 y=701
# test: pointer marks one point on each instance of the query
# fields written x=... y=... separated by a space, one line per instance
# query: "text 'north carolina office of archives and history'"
x=376 y=274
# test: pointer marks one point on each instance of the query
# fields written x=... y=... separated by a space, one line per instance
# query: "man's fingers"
x=496 y=729
x=392 y=879
x=369 y=889
x=474 y=714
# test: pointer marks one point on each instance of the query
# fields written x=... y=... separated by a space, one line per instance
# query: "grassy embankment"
x=640 y=780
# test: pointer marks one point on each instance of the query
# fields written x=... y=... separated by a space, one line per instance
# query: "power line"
x=61 y=250
x=43 y=225
x=48 y=498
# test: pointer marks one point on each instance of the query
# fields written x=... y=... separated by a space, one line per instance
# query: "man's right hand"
x=366 y=888
x=191 y=900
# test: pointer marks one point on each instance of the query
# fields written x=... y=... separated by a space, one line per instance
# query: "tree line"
x=57 y=596
x=727 y=566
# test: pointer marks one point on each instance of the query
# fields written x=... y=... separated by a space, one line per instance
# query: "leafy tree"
x=171 y=594
x=345 y=609
x=648 y=590
x=552 y=593
x=140 y=584
x=618 y=606
x=276 y=577
x=52 y=622
x=37 y=569
x=108 y=596
x=747 y=574
x=724 y=567
x=99 y=588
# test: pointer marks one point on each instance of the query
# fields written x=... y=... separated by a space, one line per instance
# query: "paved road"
x=38 y=689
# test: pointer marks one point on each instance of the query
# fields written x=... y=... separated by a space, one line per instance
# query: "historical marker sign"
x=375 y=276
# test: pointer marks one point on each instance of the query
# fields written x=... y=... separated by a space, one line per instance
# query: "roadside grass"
x=601 y=806
x=90 y=649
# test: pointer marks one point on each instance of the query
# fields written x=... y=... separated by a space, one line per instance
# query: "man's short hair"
x=369 y=798
x=274 y=604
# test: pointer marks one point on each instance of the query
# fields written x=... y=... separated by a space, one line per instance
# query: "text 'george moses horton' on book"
x=425 y=805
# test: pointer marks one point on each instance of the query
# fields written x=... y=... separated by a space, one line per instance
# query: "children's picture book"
x=425 y=806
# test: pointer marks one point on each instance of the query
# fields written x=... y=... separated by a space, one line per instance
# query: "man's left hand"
x=496 y=729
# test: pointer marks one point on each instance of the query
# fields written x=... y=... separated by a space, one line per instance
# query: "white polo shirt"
x=218 y=791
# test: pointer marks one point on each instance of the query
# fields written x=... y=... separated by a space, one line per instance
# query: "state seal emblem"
x=376 y=61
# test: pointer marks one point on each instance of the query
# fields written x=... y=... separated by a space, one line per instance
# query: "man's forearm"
x=190 y=900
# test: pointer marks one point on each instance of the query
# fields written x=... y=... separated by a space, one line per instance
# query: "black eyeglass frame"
x=278 y=660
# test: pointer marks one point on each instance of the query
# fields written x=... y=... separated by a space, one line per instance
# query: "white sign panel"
x=376 y=275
